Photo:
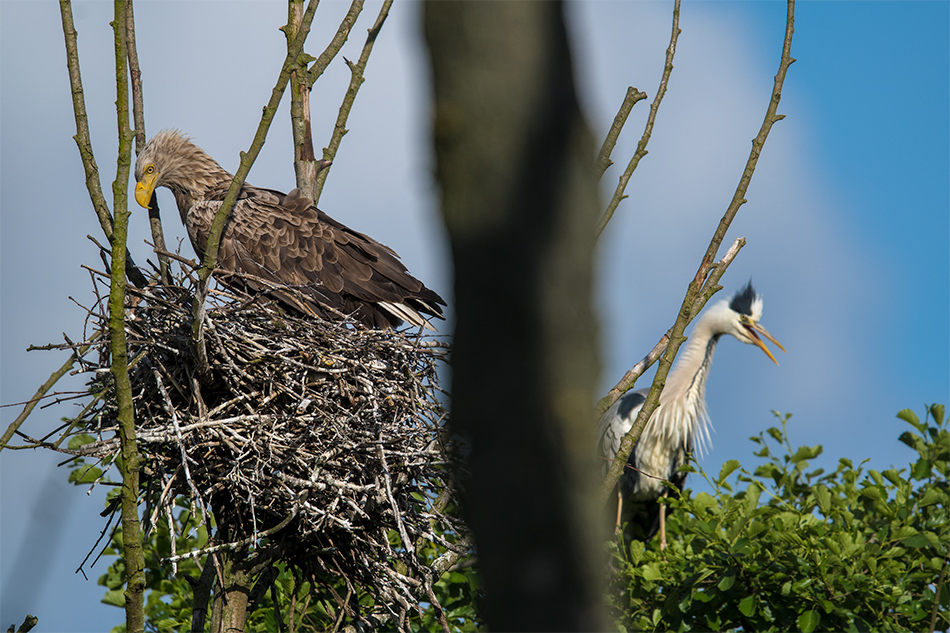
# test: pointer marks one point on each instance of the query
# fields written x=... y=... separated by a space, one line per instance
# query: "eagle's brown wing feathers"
x=284 y=239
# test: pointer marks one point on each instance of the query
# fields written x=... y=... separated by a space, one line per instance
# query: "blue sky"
x=847 y=220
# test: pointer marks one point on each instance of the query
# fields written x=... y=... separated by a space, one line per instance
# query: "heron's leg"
x=619 y=509
x=663 y=525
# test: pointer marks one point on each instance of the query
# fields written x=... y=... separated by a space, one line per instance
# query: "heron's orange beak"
x=754 y=329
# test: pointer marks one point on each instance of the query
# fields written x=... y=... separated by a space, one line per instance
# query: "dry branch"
x=705 y=281
x=356 y=80
x=648 y=128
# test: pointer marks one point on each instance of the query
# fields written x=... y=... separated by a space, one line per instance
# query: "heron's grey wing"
x=616 y=422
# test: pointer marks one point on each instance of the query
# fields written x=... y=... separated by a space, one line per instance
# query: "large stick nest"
x=325 y=438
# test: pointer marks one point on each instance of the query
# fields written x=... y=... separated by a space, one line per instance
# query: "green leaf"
x=912 y=440
x=741 y=547
x=768 y=470
x=823 y=496
x=903 y=532
x=701 y=596
x=78 y=441
x=636 y=551
x=922 y=469
x=806 y=453
x=114 y=597
x=808 y=621
x=893 y=476
x=747 y=605
x=704 y=501
x=727 y=581
x=82 y=476
x=931 y=496
x=652 y=572
x=728 y=468
x=776 y=434
x=936 y=411
x=907 y=415
x=916 y=541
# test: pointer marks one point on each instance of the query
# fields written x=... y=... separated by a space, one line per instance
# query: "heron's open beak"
x=144 y=189
x=754 y=329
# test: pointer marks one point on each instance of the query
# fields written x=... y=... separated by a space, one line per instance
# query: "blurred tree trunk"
x=515 y=160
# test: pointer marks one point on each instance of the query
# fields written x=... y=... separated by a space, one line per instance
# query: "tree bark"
x=229 y=612
x=515 y=160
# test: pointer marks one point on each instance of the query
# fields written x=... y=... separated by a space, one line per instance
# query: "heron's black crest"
x=742 y=301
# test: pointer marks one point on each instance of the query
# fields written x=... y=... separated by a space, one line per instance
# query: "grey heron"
x=680 y=422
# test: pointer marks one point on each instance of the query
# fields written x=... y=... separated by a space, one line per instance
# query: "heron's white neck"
x=683 y=400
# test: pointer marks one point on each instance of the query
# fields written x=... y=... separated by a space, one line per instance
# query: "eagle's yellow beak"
x=145 y=187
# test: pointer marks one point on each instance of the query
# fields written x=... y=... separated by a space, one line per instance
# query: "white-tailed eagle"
x=274 y=239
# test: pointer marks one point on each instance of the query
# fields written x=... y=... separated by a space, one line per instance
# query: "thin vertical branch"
x=356 y=80
x=135 y=76
x=82 y=121
x=305 y=163
x=247 y=160
x=342 y=33
x=630 y=378
x=138 y=117
x=632 y=97
x=648 y=129
x=705 y=282
x=82 y=139
x=131 y=459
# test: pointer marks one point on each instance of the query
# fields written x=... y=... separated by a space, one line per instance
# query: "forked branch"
x=705 y=282
x=247 y=160
x=356 y=80
x=648 y=129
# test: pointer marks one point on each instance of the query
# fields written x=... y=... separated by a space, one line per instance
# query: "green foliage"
x=799 y=550
x=782 y=548
x=457 y=591
x=81 y=474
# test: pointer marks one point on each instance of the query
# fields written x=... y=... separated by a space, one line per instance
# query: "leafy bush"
x=782 y=548
x=790 y=550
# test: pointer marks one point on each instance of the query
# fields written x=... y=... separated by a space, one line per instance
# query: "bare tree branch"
x=630 y=378
x=247 y=160
x=82 y=138
x=82 y=121
x=603 y=156
x=705 y=282
x=41 y=392
x=648 y=129
x=342 y=33
x=131 y=459
x=356 y=80
x=306 y=165
x=138 y=117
